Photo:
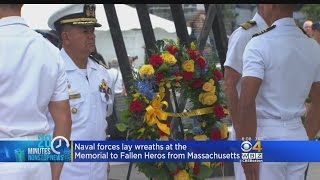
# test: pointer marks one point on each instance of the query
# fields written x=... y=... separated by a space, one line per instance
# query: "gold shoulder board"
x=247 y=25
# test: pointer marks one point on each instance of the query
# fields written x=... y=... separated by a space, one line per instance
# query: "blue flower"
x=145 y=88
x=196 y=130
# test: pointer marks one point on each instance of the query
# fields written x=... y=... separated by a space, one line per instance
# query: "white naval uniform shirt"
x=31 y=75
x=288 y=63
x=89 y=122
x=237 y=43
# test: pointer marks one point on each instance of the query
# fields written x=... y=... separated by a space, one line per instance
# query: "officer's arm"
x=254 y=64
x=60 y=112
x=233 y=68
x=247 y=107
x=312 y=123
x=231 y=78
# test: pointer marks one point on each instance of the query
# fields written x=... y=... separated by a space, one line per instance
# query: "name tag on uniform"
x=74 y=96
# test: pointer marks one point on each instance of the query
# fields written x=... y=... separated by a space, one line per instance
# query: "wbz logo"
x=251 y=153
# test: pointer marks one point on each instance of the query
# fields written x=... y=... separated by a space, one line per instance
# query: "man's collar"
x=12 y=20
x=71 y=66
x=288 y=21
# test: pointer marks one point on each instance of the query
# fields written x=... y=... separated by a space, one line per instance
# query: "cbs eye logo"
x=246 y=146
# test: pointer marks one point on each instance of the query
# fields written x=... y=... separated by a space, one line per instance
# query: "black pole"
x=146 y=27
x=119 y=45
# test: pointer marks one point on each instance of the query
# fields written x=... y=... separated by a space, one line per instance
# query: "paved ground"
x=119 y=172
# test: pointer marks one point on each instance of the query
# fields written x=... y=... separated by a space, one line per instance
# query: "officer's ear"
x=64 y=36
x=64 y=33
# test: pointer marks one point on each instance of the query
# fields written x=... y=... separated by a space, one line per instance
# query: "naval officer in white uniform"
x=281 y=66
x=91 y=87
x=33 y=82
x=233 y=67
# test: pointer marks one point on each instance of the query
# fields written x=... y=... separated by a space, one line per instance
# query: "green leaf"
x=125 y=114
x=121 y=127
x=205 y=171
x=171 y=166
x=149 y=170
x=164 y=68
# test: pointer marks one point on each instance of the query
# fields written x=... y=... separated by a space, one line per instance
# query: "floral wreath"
x=172 y=68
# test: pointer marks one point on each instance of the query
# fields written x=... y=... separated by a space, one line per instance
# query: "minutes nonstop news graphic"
x=45 y=149
x=251 y=152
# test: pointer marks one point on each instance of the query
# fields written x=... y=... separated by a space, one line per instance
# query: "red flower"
x=196 y=169
x=172 y=49
x=197 y=83
x=215 y=134
x=159 y=77
x=173 y=173
x=189 y=137
x=218 y=111
x=161 y=133
x=187 y=76
x=201 y=63
x=217 y=74
x=136 y=106
x=155 y=60
x=177 y=73
x=192 y=53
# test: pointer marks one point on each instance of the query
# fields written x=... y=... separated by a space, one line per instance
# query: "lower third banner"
x=60 y=149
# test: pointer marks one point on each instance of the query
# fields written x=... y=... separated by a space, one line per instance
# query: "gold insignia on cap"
x=89 y=10
x=74 y=110
x=79 y=21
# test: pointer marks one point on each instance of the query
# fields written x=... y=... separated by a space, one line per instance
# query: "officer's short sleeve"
x=61 y=88
x=237 y=43
x=253 y=61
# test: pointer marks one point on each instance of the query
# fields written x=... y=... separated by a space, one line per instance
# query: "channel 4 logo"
x=251 y=153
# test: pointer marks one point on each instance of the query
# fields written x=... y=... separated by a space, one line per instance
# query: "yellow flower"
x=209 y=86
x=188 y=66
x=168 y=58
x=162 y=89
x=191 y=165
x=224 y=131
x=182 y=175
x=193 y=45
x=146 y=70
x=206 y=164
x=164 y=138
x=202 y=137
x=136 y=96
x=207 y=98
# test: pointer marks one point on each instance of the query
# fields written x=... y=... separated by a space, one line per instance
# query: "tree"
x=312 y=11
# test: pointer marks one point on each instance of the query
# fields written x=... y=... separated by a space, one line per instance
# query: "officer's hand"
x=251 y=170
